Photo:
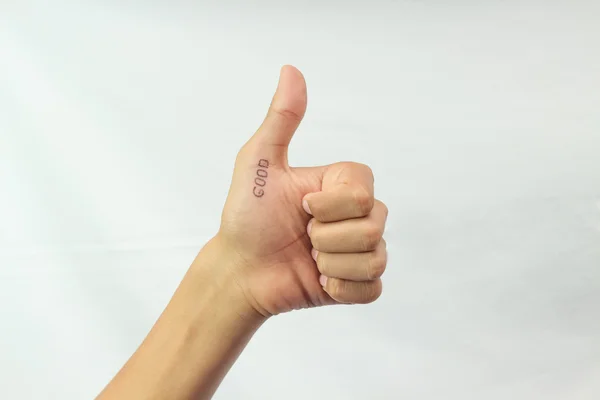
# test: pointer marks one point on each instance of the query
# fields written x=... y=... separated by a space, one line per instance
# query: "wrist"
x=216 y=278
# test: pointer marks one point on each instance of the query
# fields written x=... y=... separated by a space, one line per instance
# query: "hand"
x=303 y=237
x=290 y=238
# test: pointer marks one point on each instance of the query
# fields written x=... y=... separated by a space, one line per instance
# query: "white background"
x=119 y=125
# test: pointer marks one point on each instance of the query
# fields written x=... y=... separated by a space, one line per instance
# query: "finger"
x=347 y=192
x=285 y=113
x=349 y=236
x=339 y=203
x=353 y=266
x=351 y=292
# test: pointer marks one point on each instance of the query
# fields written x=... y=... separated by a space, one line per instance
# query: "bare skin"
x=290 y=238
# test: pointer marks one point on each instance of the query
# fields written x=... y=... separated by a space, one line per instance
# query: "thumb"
x=284 y=115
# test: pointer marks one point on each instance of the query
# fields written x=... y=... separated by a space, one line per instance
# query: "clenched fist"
x=301 y=237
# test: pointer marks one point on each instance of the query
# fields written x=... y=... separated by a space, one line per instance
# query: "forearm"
x=195 y=341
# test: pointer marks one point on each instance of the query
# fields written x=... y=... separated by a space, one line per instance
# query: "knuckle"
x=372 y=292
x=364 y=167
x=376 y=267
x=287 y=114
x=363 y=200
x=372 y=237
x=383 y=207
x=368 y=171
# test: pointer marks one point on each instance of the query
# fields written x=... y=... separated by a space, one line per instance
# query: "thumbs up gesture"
x=301 y=237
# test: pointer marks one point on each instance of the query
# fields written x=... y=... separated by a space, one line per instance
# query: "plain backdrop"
x=119 y=125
